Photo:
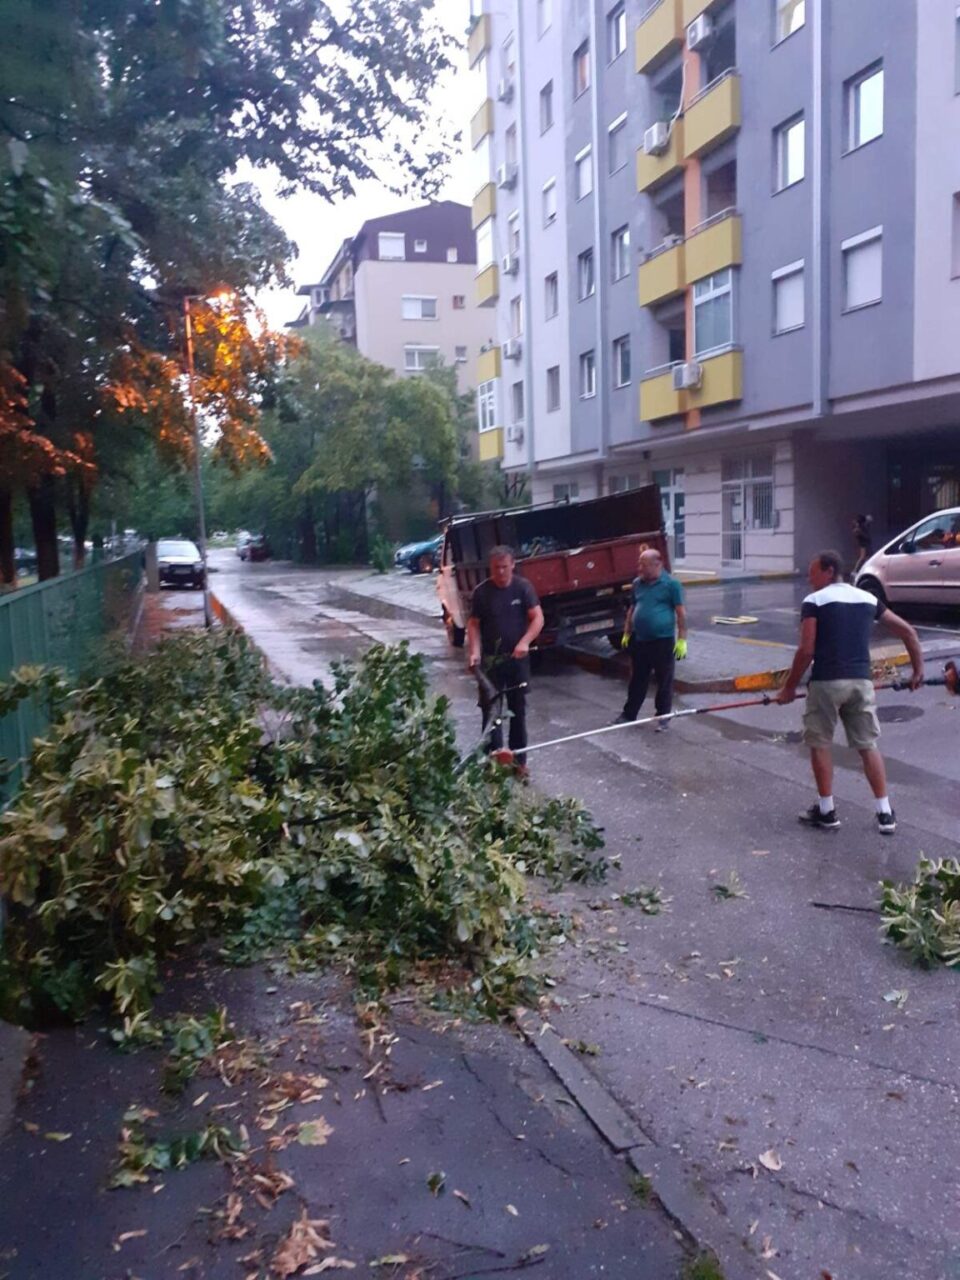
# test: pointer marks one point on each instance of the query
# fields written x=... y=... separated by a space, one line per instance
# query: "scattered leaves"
x=436 y=1182
x=307 y=1238
x=771 y=1160
x=314 y=1133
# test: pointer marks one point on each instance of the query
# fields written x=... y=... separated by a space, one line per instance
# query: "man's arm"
x=681 y=612
x=473 y=642
x=801 y=660
x=911 y=642
x=534 y=627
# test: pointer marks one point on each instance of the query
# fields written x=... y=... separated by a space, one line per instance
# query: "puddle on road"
x=900 y=713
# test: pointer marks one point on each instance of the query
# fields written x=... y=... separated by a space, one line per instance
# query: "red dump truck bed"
x=580 y=557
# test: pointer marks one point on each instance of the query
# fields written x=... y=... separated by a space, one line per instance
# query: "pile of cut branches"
x=923 y=916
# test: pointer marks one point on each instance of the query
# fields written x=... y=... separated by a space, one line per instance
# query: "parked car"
x=419 y=557
x=920 y=565
x=179 y=562
x=242 y=539
x=256 y=547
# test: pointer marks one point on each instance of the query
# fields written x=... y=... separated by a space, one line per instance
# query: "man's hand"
x=522 y=649
x=680 y=649
x=916 y=679
x=787 y=694
x=951 y=678
x=625 y=640
x=473 y=661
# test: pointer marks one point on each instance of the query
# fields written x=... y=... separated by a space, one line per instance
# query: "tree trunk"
x=307 y=534
x=78 y=508
x=8 y=567
x=43 y=514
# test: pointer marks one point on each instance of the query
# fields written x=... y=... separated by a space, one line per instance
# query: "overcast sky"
x=318 y=227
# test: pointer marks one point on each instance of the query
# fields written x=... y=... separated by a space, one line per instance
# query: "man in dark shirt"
x=835 y=625
x=505 y=619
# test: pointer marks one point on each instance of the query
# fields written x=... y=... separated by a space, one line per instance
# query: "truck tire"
x=456 y=635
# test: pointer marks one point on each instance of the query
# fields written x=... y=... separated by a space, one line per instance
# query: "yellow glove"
x=680 y=649
x=625 y=640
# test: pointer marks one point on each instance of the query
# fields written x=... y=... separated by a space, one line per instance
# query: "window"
x=419 y=246
x=392 y=244
x=510 y=145
x=586 y=280
x=588 y=375
x=459 y=302
x=549 y=203
x=416 y=359
x=863 y=107
x=617 y=143
x=516 y=401
x=583 y=167
x=516 y=317
x=791 y=15
x=452 y=255
x=513 y=231
x=487 y=405
x=789 y=142
x=788 y=298
x=553 y=388
x=546 y=107
x=566 y=492
x=544 y=15
x=623 y=484
x=419 y=308
x=581 y=69
x=862 y=269
x=460 y=355
x=936 y=534
x=620 y=252
x=617 y=31
x=713 y=312
x=486 y=250
x=551 y=296
x=621 y=361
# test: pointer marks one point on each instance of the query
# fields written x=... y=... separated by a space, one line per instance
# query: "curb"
x=14 y=1049
x=226 y=619
x=746 y=580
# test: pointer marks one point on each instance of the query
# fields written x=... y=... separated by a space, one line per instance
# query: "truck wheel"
x=456 y=635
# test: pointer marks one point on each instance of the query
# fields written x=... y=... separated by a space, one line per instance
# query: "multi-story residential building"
x=722 y=242
x=402 y=291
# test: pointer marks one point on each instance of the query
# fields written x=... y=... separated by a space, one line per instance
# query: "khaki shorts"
x=852 y=701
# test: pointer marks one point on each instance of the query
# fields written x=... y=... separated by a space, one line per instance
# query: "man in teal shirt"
x=655 y=634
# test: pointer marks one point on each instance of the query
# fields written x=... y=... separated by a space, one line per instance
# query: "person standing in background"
x=655 y=633
x=863 y=540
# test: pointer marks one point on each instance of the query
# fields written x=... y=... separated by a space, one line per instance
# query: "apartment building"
x=721 y=240
x=402 y=291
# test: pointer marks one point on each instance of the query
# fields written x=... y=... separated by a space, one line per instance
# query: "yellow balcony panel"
x=488 y=365
x=478 y=42
x=713 y=116
x=488 y=286
x=653 y=170
x=721 y=381
x=491 y=445
x=658 y=398
x=484 y=205
x=693 y=9
x=660 y=32
x=661 y=276
x=716 y=245
x=482 y=123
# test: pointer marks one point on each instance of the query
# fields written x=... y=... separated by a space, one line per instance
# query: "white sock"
x=883 y=805
x=826 y=804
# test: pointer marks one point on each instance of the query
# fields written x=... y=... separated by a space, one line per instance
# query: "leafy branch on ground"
x=923 y=915
x=139 y=1155
x=732 y=887
x=185 y=796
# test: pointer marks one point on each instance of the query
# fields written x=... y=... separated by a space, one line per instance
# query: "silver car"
x=920 y=566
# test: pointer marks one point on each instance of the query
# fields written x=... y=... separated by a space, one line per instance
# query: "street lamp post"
x=197 y=470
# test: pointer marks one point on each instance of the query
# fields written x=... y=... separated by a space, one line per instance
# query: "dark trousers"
x=505 y=674
x=648 y=656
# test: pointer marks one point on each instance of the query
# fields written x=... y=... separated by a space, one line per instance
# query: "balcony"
x=658 y=398
x=488 y=286
x=484 y=205
x=660 y=32
x=488 y=365
x=715 y=244
x=478 y=42
x=662 y=275
x=653 y=170
x=722 y=380
x=693 y=9
x=713 y=115
x=482 y=123
x=490 y=445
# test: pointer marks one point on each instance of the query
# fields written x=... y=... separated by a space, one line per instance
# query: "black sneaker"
x=812 y=817
x=887 y=823
x=623 y=718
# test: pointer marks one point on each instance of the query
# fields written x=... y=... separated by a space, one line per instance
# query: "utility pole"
x=197 y=471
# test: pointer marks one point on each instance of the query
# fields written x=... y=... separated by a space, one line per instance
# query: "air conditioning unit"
x=699 y=31
x=505 y=89
x=512 y=349
x=507 y=176
x=511 y=265
x=687 y=377
x=656 y=139
x=515 y=434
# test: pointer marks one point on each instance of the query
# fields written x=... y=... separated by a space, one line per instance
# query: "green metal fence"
x=61 y=623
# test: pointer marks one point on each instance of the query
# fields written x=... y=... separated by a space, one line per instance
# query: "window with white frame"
x=419 y=246
x=862 y=269
x=460 y=355
x=452 y=255
x=392 y=245
x=581 y=69
x=621 y=361
x=583 y=170
x=713 y=312
x=546 y=107
x=789 y=148
x=487 y=405
x=586 y=277
x=788 y=301
x=508 y=58
x=549 y=202
x=566 y=491
x=417 y=308
x=544 y=15
x=617 y=143
x=513 y=231
x=863 y=107
x=790 y=17
x=553 y=388
x=459 y=302
x=551 y=295
x=623 y=484
x=588 y=375
x=617 y=31
x=486 y=248
x=516 y=317
x=416 y=359
x=620 y=252
x=510 y=145
x=516 y=402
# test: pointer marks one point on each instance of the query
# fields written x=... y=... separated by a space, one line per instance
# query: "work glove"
x=625 y=640
x=680 y=650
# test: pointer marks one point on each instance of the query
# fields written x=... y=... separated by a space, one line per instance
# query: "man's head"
x=824 y=569
x=650 y=565
x=501 y=566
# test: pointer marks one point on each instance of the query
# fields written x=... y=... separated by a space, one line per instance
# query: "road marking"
x=769 y=644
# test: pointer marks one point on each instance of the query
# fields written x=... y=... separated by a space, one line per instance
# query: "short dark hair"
x=831 y=560
x=502 y=550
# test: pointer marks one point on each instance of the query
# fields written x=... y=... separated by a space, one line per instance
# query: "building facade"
x=721 y=241
x=402 y=291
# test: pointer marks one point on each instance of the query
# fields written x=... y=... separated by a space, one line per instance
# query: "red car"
x=255 y=548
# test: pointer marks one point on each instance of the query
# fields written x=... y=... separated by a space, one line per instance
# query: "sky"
x=318 y=227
